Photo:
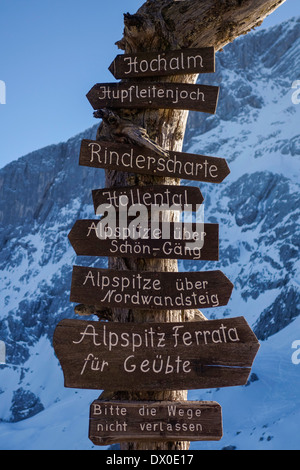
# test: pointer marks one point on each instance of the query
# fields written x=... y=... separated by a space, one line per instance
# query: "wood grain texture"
x=151 y=356
x=114 y=421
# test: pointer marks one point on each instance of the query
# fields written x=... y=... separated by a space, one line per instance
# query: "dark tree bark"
x=161 y=25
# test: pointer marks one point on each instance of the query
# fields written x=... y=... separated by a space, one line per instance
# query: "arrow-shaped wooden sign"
x=131 y=240
x=150 y=290
x=157 y=64
x=182 y=198
x=155 y=356
x=203 y=98
x=135 y=159
x=114 y=421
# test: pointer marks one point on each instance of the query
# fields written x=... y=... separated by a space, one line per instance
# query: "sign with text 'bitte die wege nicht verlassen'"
x=135 y=159
x=149 y=290
x=152 y=95
x=115 y=421
x=157 y=64
x=155 y=356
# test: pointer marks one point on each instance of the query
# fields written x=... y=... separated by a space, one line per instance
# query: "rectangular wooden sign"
x=182 y=198
x=157 y=64
x=167 y=240
x=135 y=159
x=155 y=356
x=112 y=422
x=203 y=98
x=149 y=290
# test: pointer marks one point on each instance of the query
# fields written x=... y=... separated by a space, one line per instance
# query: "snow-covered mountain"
x=256 y=129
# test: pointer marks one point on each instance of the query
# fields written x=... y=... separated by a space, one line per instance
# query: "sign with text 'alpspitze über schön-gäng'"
x=132 y=239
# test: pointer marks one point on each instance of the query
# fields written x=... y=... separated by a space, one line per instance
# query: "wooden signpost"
x=135 y=159
x=154 y=95
x=149 y=356
x=112 y=422
x=150 y=290
x=131 y=240
x=155 y=356
x=153 y=64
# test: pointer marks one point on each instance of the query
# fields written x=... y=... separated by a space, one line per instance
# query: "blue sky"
x=51 y=54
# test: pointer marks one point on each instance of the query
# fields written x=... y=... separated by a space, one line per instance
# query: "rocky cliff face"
x=256 y=129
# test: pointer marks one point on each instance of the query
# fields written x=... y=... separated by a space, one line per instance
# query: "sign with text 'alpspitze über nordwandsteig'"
x=150 y=290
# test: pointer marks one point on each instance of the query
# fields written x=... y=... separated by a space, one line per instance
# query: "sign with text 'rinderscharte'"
x=135 y=159
x=155 y=356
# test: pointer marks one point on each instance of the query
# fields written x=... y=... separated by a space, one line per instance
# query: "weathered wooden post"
x=148 y=355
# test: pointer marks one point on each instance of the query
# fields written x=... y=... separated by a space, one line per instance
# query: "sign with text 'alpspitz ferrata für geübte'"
x=155 y=356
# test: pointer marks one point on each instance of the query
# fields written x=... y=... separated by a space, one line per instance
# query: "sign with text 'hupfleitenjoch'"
x=114 y=421
x=149 y=290
x=155 y=356
x=152 y=95
x=135 y=159
x=157 y=64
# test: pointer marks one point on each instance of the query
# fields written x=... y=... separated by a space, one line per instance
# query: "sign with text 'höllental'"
x=113 y=421
x=182 y=198
x=155 y=356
